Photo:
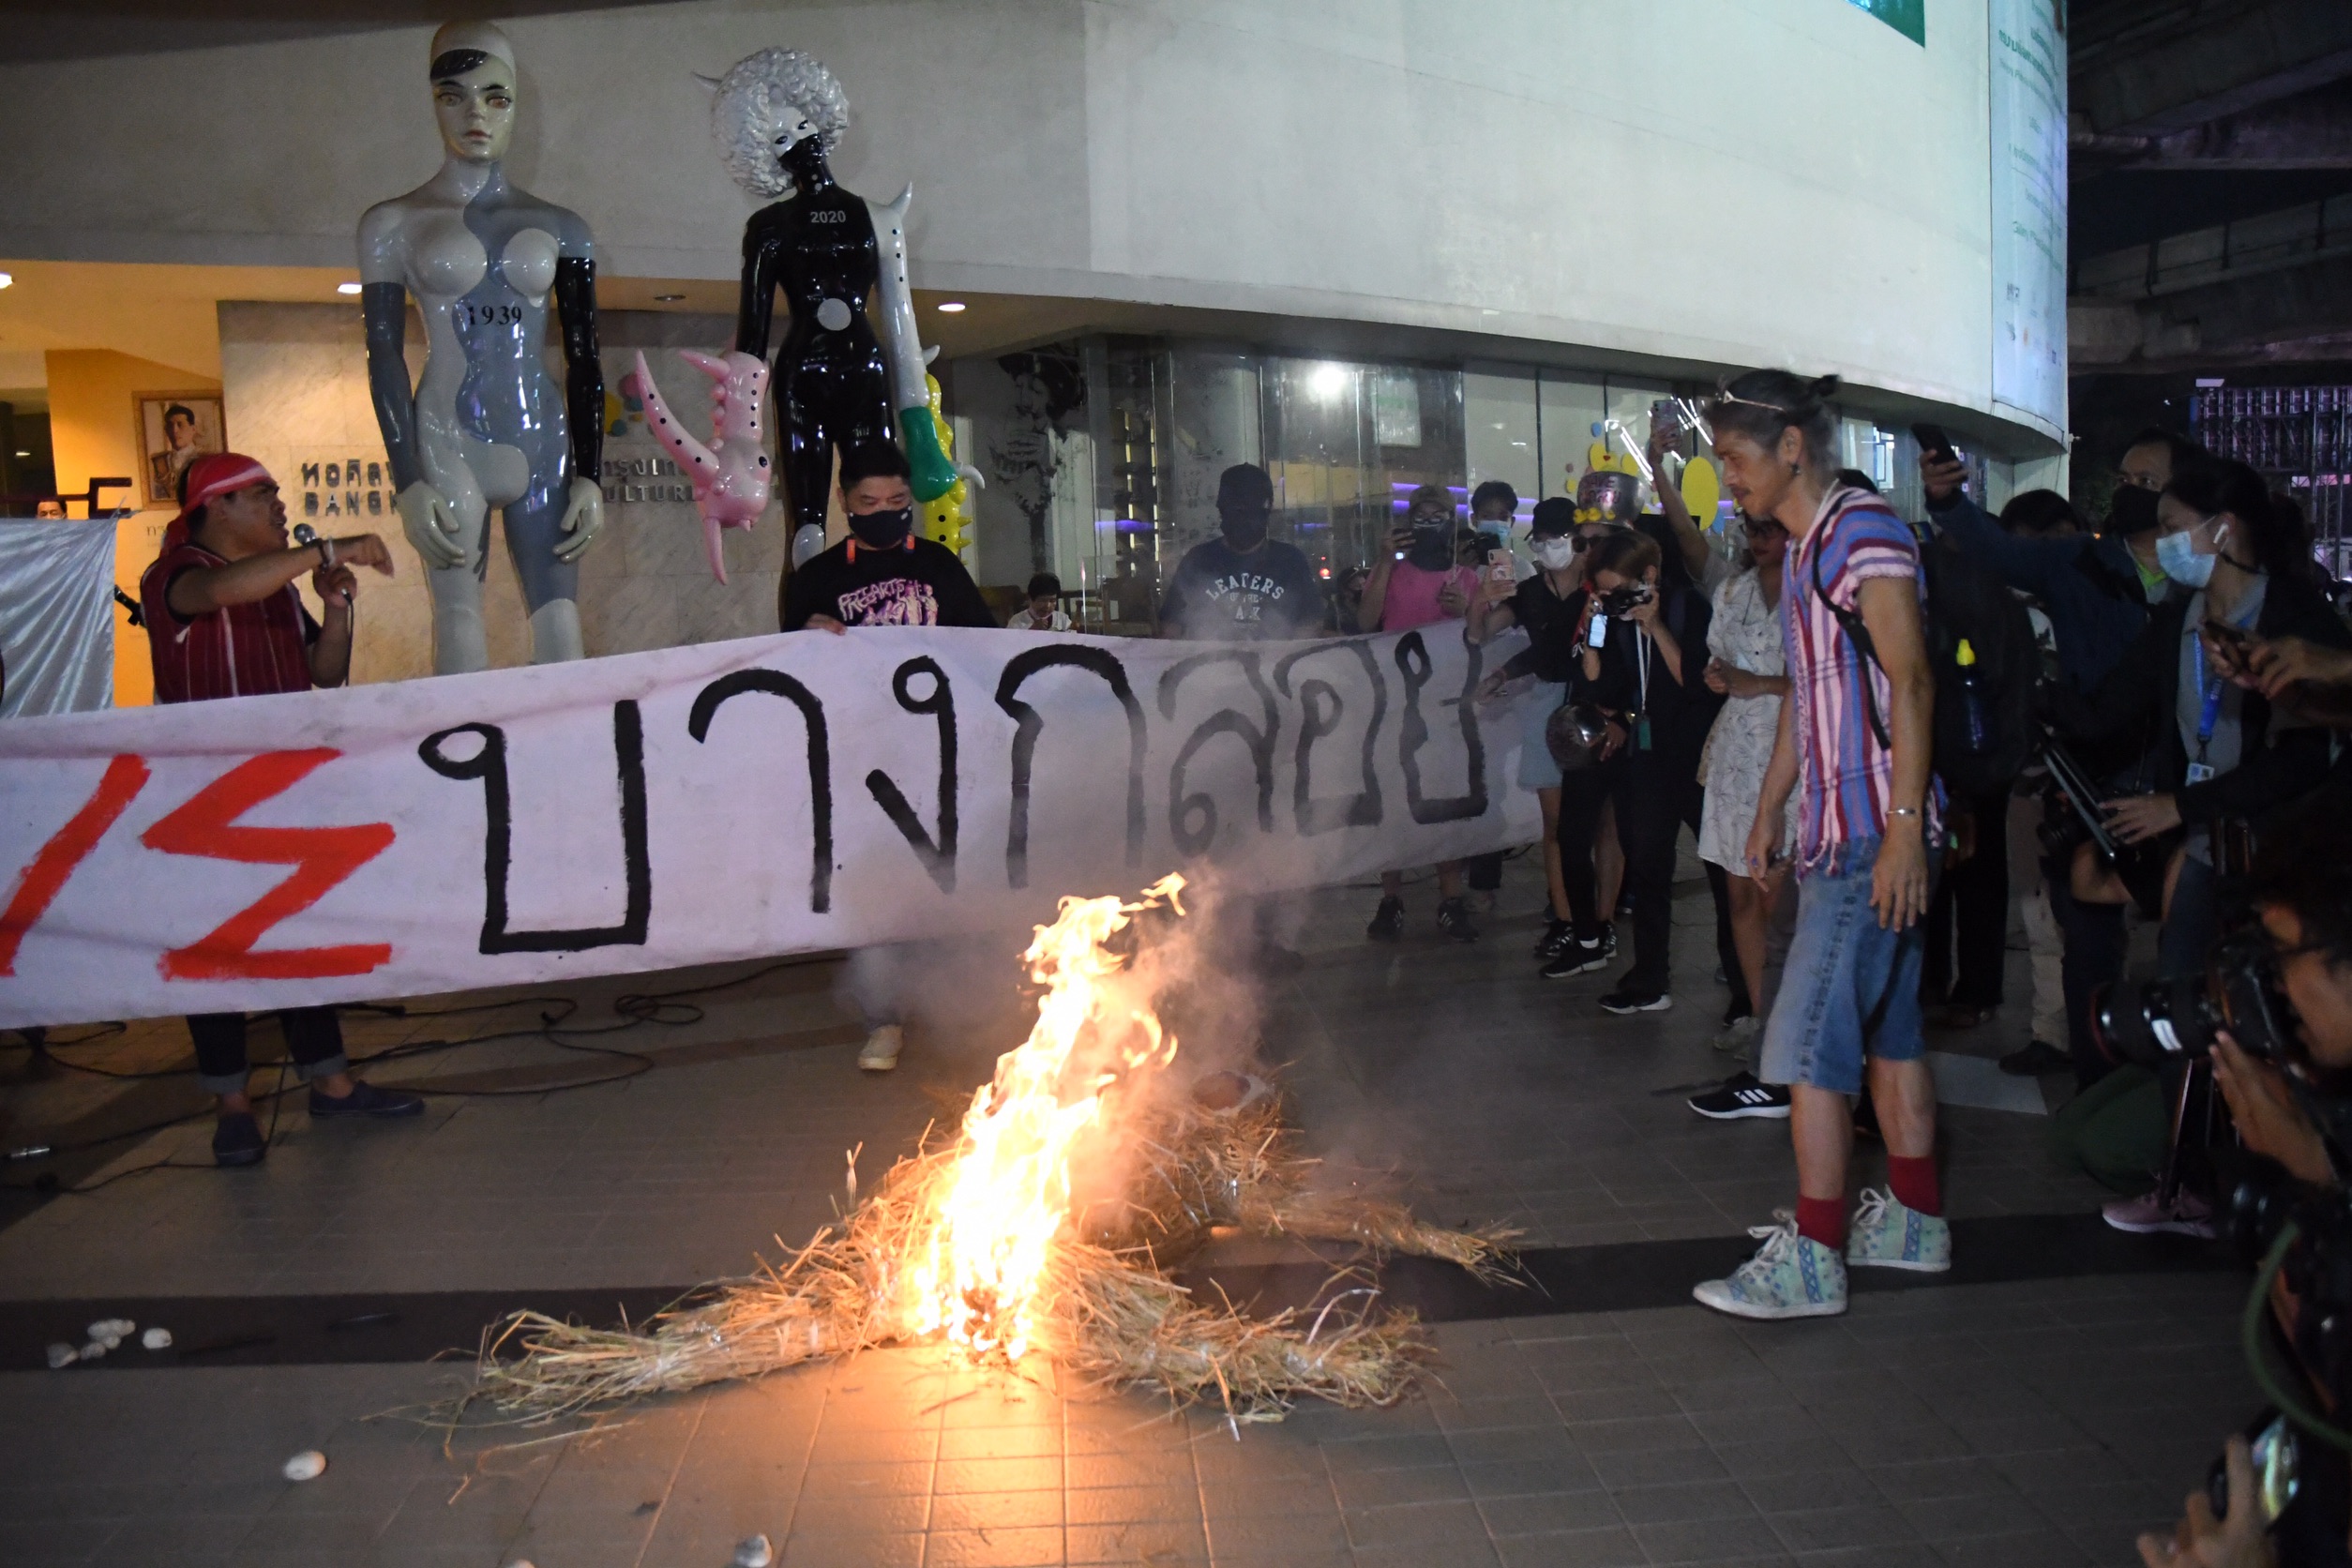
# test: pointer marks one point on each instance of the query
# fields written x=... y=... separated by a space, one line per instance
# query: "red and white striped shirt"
x=243 y=650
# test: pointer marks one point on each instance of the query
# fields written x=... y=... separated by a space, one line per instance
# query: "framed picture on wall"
x=175 y=429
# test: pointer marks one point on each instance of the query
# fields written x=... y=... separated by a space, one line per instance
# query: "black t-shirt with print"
x=1219 y=594
x=861 y=586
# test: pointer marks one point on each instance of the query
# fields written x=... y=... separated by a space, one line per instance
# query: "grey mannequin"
x=487 y=424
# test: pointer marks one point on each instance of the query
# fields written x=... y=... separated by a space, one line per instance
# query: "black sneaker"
x=1577 y=957
x=2036 y=1058
x=1388 y=922
x=1456 y=920
x=1626 y=1000
x=1739 y=1096
x=1609 y=938
x=237 y=1140
x=366 y=1099
x=1557 y=937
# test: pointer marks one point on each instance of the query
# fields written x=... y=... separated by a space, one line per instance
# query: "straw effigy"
x=1108 y=1312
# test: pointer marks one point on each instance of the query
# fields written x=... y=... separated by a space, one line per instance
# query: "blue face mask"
x=2176 y=555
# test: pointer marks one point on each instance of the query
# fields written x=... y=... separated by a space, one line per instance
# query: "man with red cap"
x=224 y=620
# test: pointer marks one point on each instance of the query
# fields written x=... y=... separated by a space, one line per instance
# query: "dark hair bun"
x=1823 y=388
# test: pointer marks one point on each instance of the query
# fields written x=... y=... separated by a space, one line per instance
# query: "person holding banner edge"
x=224 y=621
x=882 y=575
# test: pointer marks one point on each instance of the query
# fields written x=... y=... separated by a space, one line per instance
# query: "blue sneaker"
x=1791 y=1275
x=1887 y=1235
x=366 y=1099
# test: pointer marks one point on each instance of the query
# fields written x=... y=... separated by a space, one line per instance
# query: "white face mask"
x=1553 y=555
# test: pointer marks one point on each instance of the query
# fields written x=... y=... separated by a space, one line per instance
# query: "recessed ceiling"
x=168 y=313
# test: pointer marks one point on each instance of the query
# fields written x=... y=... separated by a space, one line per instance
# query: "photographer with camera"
x=2097 y=591
x=2216 y=761
x=2274 y=1009
x=1635 y=661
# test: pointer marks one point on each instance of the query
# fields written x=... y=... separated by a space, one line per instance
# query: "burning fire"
x=980 y=1266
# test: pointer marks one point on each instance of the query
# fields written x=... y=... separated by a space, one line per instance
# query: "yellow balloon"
x=1702 y=491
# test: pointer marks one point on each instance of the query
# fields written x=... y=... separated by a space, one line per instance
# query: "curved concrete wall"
x=1703 y=182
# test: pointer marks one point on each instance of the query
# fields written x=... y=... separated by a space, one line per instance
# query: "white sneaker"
x=1791 y=1275
x=880 y=1052
x=1887 y=1235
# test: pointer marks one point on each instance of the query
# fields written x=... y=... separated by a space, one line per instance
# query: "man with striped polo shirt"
x=1862 y=696
x=223 y=620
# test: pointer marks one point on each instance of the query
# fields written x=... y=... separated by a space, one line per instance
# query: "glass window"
x=1501 y=435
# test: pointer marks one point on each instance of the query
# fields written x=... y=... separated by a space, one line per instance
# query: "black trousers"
x=1582 y=793
x=314 y=1041
x=2093 y=943
x=1484 y=872
x=1971 y=904
x=1655 y=794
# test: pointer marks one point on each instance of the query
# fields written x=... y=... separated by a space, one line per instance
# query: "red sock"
x=1914 y=1183
x=1822 y=1220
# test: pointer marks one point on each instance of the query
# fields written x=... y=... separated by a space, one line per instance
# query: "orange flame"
x=979 y=1270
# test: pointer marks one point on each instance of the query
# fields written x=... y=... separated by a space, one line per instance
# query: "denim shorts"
x=1843 y=967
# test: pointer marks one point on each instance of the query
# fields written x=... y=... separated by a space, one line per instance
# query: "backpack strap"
x=1850 y=622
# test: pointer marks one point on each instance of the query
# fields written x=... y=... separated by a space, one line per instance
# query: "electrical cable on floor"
x=634 y=1008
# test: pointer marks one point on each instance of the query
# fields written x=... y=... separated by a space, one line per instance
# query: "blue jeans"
x=1850 y=988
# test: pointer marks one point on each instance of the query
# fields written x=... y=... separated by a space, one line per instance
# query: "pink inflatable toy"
x=731 y=475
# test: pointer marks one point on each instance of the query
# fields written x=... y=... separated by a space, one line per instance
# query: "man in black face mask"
x=2096 y=591
x=884 y=574
x=1243 y=586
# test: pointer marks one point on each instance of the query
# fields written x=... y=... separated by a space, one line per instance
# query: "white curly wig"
x=750 y=106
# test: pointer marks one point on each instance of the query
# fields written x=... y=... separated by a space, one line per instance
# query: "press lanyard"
x=2209 y=698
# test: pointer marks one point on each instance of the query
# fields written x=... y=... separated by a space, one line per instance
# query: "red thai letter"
x=71 y=845
x=321 y=856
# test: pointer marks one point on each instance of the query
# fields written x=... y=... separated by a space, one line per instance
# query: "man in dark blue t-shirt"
x=1243 y=587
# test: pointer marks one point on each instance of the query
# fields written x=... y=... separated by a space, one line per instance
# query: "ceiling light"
x=668 y=299
x=1329 y=381
x=951 y=307
x=24 y=454
x=346 y=288
x=6 y=279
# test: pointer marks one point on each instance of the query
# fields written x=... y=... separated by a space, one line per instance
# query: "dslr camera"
x=1617 y=602
x=2176 y=1017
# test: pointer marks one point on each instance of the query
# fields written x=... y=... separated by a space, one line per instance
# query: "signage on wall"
x=2029 y=190
x=1906 y=16
x=342 y=484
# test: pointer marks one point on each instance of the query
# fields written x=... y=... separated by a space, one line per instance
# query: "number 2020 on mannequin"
x=485 y=426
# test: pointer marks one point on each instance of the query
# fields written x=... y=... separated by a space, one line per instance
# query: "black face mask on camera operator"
x=1433 y=547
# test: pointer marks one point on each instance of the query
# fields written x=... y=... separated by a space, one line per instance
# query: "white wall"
x=1710 y=182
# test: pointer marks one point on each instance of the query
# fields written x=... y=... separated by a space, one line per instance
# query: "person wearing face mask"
x=2217 y=754
x=1243 y=586
x=884 y=574
x=1547 y=607
x=1419 y=581
x=2097 y=591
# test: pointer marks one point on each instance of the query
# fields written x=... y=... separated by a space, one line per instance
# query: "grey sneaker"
x=1791 y=1277
x=1887 y=1235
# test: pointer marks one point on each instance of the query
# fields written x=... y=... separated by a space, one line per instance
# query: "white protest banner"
x=732 y=800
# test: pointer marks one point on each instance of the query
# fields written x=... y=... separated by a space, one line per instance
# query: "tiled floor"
x=2007 y=1424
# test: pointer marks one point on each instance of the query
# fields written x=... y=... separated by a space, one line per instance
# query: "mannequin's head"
x=473 y=90
x=776 y=114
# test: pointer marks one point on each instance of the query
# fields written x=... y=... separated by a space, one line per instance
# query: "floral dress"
x=1745 y=635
